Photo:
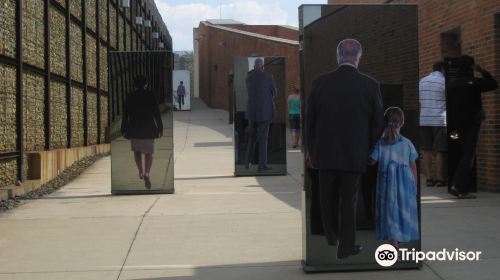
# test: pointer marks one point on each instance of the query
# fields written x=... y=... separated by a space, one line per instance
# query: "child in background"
x=396 y=213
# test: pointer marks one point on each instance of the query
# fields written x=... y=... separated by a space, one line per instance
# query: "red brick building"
x=450 y=28
x=217 y=43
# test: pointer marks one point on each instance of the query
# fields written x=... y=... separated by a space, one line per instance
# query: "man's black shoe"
x=354 y=251
x=265 y=168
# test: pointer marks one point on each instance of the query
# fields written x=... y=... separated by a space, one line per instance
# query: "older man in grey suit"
x=260 y=112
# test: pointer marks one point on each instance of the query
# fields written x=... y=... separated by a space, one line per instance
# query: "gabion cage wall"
x=54 y=72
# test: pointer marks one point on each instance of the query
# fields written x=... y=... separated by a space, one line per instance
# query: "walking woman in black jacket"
x=141 y=124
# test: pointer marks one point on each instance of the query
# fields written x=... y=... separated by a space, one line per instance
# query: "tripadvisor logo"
x=386 y=255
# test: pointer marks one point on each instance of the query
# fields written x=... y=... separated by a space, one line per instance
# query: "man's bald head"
x=258 y=64
x=349 y=51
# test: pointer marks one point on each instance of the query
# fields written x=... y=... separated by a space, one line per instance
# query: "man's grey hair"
x=349 y=51
x=258 y=63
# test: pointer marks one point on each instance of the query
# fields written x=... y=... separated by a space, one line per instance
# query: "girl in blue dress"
x=396 y=199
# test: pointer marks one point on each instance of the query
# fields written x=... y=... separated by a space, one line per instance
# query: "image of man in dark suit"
x=344 y=120
x=260 y=111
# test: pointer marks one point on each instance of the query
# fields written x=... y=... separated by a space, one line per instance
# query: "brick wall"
x=479 y=38
x=218 y=48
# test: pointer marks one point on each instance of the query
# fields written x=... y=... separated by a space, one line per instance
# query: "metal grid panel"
x=92 y=117
x=90 y=14
x=103 y=70
x=112 y=26
x=8 y=28
x=8 y=170
x=58 y=116
x=57 y=42
x=104 y=117
x=103 y=15
x=33 y=111
x=76 y=53
x=8 y=136
x=33 y=33
x=75 y=7
x=91 y=57
x=77 y=108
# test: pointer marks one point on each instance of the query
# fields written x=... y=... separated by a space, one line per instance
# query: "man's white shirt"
x=432 y=97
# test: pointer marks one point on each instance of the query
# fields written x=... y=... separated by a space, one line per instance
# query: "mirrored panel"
x=455 y=117
x=140 y=85
x=388 y=35
x=259 y=112
x=182 y=90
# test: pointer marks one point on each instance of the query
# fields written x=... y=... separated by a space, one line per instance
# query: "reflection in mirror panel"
x=388 y=35
x=454 y=113
x=182 y=90
x=259 y=110
x=140 y=85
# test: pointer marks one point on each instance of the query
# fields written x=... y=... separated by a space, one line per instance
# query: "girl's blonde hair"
x=394 y=118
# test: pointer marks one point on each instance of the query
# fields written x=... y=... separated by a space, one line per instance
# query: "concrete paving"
x=215 y=226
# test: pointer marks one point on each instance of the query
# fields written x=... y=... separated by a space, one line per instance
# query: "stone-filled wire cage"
x=54 y=72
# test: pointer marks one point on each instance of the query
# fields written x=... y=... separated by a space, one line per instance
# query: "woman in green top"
x=294 y=116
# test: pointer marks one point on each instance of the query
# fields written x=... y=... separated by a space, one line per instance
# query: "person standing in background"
x=181 y=93
x=294 y=107
x=464 y=92
x=432 y=95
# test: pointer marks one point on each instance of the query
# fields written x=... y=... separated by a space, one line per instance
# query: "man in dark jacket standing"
x=260 y=111
x=344 y=120
x=181 y=93
x=464 y=93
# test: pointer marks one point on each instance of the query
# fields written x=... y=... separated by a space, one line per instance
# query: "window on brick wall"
x=451 y=43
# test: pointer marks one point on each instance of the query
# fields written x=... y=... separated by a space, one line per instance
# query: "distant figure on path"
x=181 y=93
x=294 y=109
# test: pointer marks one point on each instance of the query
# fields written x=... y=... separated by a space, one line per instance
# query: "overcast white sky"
x=181 y=16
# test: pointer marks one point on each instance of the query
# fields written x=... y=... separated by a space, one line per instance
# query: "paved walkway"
x=214 y=227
